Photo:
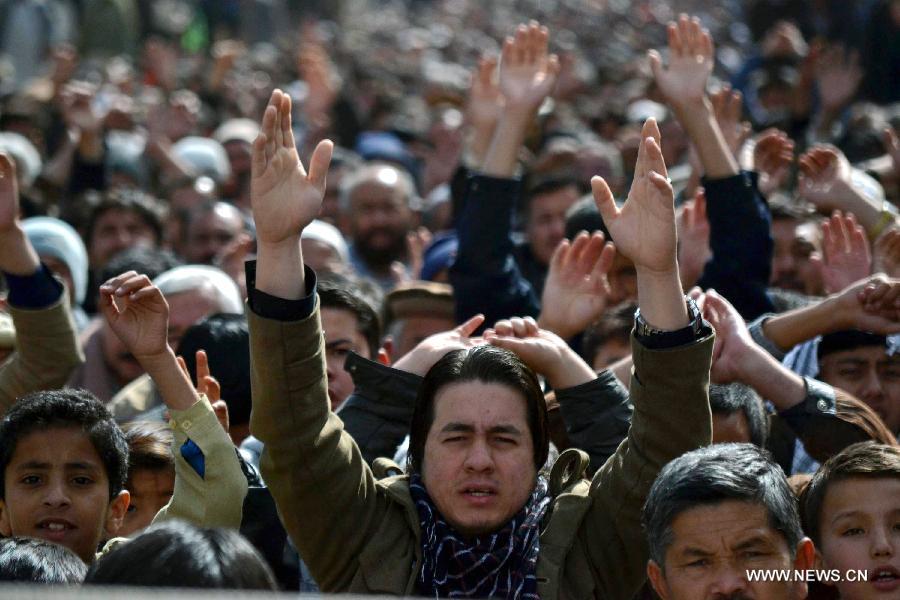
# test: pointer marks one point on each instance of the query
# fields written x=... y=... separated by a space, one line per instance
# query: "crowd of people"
x=444 y=298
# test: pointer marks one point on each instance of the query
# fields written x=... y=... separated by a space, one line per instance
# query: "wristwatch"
x=651 y=337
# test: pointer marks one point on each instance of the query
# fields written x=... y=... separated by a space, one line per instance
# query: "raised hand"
x=78 y=110
x=576 y=289
x=732 y=338
x=727 y=106
x=644 y=228
x=846 y=252
x=886 y=254
x=284 y=198
x=421 y=358
x=691 y=61
x=824 y=176
x=9 y=194
x=693 y=240
x=773 y=154
x=138 y=314
x=544 y=351
x=838 y=75
x=209 y=386
x=485 y=102
x=527 y=72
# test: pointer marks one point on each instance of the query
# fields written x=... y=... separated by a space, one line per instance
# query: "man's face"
x=796 y=243
x=416 y=328
x=150 y=490
x=479 y=458
x=57 y=489
x=713 y=547
x=869 y=374
x=342 y=336
x=622 y=281
x=115 y=230
x=210 y=232
x=860 y=530
x=186 y=309
x=118 y=359
x=380 y=219
x=546 y=226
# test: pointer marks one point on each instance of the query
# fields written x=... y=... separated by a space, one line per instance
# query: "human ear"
x=5 y=526
x=115 y=513
x=657 y=579
x=805 y=558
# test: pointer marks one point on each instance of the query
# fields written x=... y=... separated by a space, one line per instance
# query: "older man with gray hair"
x=193 y=292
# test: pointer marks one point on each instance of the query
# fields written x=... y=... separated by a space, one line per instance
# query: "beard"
x=381 y=256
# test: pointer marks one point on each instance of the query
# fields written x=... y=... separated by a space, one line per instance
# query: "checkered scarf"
x=496 y=565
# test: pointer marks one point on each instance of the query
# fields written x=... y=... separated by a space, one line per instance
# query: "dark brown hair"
x=487 y=364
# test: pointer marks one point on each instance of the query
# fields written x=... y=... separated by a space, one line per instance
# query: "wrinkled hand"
x=544 y=351
x=644 y=228
x=527 y=72
x=693 y=240
x=838 y=75
x=9 y=194
x=773 y=155
x=284 y=198
x=728 y=107
x=733 y=339
x=886 y=254
x=691 y=61
x=485 y=102
x=824 y=176
x=576 y=289
x=421 y=358
x=845 y=251
x=138 y=314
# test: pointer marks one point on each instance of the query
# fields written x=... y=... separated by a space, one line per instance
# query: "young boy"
x=851 y=510
x=64 y=461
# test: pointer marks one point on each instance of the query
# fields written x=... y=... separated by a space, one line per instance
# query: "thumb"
x=319 y=163
x=655 y=64
x=604 y=200
x=470 y=326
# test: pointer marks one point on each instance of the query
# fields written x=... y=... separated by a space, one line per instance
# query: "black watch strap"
x=657 y=339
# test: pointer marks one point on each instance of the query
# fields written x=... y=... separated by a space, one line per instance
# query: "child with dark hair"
x=64 y=461
x=39 y=561
x=178 y=554
x=851 y=510
x=151 y=473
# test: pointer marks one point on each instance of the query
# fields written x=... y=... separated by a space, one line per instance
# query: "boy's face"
x=342 y=336
x=150 y=490
x=57 y=489
x=860 y=530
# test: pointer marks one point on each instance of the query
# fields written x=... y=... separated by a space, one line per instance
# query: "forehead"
x=864 y=495
x=55 y=446
x=480 y=404
x=119 y=216
x=383 y=186
x=556 y=201
x=862 y=354
x=720 y=527
x=789 y=230
x=338 y=323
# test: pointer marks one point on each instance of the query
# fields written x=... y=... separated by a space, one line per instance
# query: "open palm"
x=284 y=197
x=644 y=228
x=527 y=72
x=691 y=61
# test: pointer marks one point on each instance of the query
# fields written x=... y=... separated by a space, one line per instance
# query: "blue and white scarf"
x=494 y=565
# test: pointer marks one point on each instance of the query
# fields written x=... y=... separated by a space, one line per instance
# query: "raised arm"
x=485 y=275
x=47 y=348
x=209 y=490
x=672 y=350
x=740 y=265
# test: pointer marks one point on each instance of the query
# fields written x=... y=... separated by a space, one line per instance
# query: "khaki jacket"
x=47 y=351
x=361 y=535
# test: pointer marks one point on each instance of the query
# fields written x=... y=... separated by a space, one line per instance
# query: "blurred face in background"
x=798 y=245
x=546 y=224
x=380 y=218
